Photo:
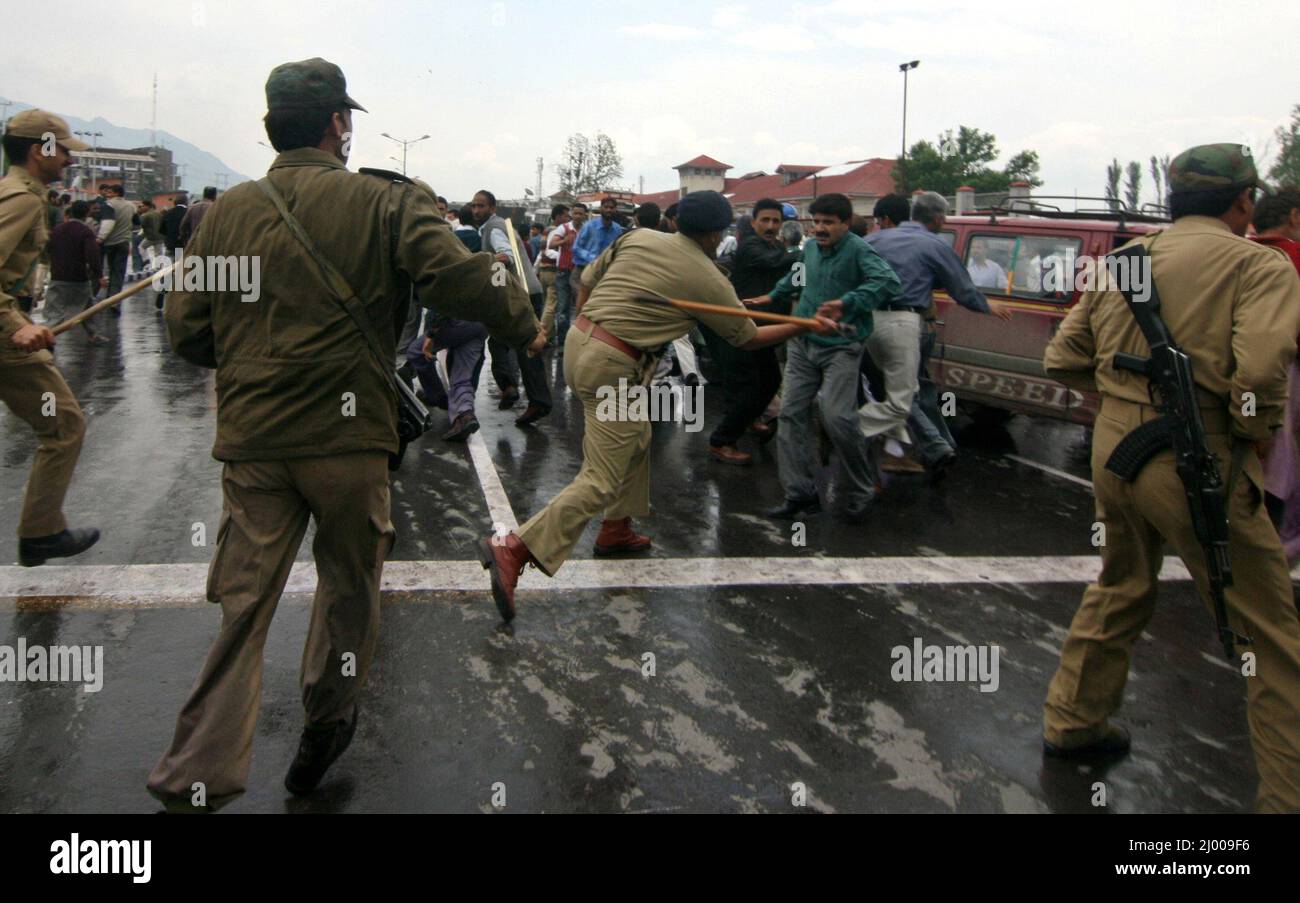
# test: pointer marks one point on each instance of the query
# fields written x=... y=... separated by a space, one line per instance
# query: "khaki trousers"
x=34 y=389
x=266 y=506
x=1139 y=518
x=615 y=473
x=547 y=276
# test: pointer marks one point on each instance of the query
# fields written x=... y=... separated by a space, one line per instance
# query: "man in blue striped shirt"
x=596 y=236
x=901 y=343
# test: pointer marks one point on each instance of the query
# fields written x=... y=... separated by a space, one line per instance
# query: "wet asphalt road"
x=755 y=688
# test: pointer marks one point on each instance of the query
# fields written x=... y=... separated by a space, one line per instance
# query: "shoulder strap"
x=339 y=286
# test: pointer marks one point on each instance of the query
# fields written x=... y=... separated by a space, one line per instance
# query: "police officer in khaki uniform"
x=616 y=337
x=37 y=145
x=1234 y=307
x=306 y=419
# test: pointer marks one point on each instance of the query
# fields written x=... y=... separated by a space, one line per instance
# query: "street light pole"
x=905 y=68
x=404 y=144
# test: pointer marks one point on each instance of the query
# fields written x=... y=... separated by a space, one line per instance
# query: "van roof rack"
x=1111 y=210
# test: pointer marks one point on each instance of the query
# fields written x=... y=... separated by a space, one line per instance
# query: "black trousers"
x=115 y=259
x=509 y=364
x=749 y=379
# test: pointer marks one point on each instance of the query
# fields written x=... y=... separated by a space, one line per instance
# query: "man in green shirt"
x=841 y=277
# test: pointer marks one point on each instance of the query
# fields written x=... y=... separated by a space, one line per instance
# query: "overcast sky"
x=499 y=84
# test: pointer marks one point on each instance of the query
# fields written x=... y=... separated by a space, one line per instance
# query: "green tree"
x=1133 y=185
x=1114 y=172
x=1286 y=169
x=1160 y=176
x=963 y=158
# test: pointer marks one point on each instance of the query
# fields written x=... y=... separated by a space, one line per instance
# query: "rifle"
x=1180 y=427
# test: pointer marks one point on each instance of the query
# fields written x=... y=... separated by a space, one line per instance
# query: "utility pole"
x=539 y=180
x=153 y=115
x=405 y=145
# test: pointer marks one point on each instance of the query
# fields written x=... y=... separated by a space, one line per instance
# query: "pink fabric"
x=1282 y=469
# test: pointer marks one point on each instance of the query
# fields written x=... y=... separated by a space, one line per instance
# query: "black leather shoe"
x=319 y=747
x=508 y=399
x=461 y=429
x=532 y=414
x=939 y=469
x=792 y=508
x=32 y=552
x=1115 y=742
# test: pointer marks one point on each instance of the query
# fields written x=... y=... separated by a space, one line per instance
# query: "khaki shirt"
x=1231 y=304
x=295 y=378
x=669 y=264
x=23 y=235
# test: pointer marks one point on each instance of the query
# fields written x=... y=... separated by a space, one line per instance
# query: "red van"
x=995 y=367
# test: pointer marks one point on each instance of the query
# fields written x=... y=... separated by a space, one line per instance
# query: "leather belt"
x=597 y=332
x=907 y=308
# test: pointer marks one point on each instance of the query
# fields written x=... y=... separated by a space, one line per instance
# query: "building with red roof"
x=863 y=181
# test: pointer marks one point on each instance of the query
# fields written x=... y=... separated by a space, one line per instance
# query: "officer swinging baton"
x=109 y=302
x=845 y=329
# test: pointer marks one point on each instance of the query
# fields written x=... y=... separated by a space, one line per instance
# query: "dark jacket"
x=759 y=266
x=171 y=226
x=74 y=252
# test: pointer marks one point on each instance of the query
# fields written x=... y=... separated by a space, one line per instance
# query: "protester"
x=492 y=232
x=194 y=216
x=750 y=379
x=596 y=236
x=845 y=279
x=902 y=335
x=115 y=226
x=75 y=269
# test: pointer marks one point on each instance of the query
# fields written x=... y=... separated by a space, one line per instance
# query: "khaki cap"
x=40 y=125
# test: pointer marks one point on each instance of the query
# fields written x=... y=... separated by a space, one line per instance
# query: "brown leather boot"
x=504 y=558
x=617 y=537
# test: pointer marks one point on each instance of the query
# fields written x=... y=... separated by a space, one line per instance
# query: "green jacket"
x=851 y=271
x=295 y=378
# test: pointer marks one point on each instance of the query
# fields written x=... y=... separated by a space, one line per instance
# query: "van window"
x=1025 y=266
x=950 y=238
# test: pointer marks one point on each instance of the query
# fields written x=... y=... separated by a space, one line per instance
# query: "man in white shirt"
x=985 y=273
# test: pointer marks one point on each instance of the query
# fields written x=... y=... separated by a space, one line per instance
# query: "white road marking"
x=1052 y=470
x=497 y=501
x=182 y=584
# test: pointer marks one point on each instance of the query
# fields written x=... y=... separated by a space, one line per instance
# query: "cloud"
x=663 y=32
x=729 y=17
x=775 y=37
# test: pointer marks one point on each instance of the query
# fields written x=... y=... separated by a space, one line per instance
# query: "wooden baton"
x=109 y=302
x=805 y=322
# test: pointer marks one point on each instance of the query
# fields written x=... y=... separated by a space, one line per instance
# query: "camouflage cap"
x=1210 y=167
x=308 y=83
x=39 y=124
